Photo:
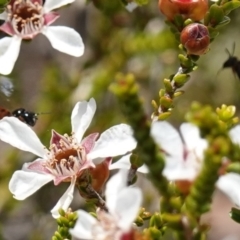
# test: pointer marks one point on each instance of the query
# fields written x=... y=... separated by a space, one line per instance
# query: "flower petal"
x=53 y=4
x=178 y=169
x=113 y=187
x=124 y=163
x=168 y=138
x=51 y=17
x=230 y=185
x=132 y=198
x=89 y=141
x=81 y=118
x=192 y=139
x=25 y=183
x=131 y=6
x=64 y=39
x=9 y=51
x=65 y=201
x=115 y=141
x=84 y=225
x=21 y=136
x=4 y=15
x=234 y=134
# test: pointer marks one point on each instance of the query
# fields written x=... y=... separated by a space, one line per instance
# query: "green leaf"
x=229 y=6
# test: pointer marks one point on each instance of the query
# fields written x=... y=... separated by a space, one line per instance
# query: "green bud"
x=162 y=92
x=173 y=220
x=154 y=233
x=178 y=93
x=235 y=214
x=185 y=61
x=176 y=202
x=187 y=22
x=225 y=113
x=163 y=116
x=139 y=221
x=154 y=104
x=156 y=221
x=180 y=79
x=168 y=85
x=166 y=102
x=61 y=212
x=64 y=221
x=58 y=236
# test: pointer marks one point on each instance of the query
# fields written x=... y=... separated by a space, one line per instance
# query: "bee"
x=233 y=63
x=30 y=118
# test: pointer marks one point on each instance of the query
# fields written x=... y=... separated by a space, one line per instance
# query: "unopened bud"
x=195 y=38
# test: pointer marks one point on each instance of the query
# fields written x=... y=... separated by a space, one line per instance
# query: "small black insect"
x=30 y=118
x=233 y=63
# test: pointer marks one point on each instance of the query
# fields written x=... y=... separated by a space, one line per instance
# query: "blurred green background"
x=116 y=41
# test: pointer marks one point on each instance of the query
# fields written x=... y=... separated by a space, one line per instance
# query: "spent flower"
x=67 y=157
x=24 y=19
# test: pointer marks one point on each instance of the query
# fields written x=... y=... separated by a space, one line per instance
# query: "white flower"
x=123 y=205
x=24 y=19
x=67 y=156
x=183 y=154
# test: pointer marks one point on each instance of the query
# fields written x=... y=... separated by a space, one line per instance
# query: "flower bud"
x=195 y=38
x=194 y=9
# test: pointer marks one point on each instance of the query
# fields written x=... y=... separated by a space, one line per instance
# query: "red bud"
x=195 y=38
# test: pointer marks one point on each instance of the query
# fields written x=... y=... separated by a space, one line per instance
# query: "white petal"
x=230 y=185
x=234 y=134
x=21 y=136
x=168 y=138
x=25 y=183
x=3 y=15
x=113 y=187
x=64 y=39
x=131 y=6
x=124 y=163
x=178 y=169
x=65 y=201
x=9 y=51
x=84 y=225
x=192 y=139
x=115 y=141
x=127 y=206
x=81 y=118
x=53 y=4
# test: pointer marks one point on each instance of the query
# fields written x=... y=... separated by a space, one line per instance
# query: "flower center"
x=66 y=158
x=106 y=228
x=26 y=18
